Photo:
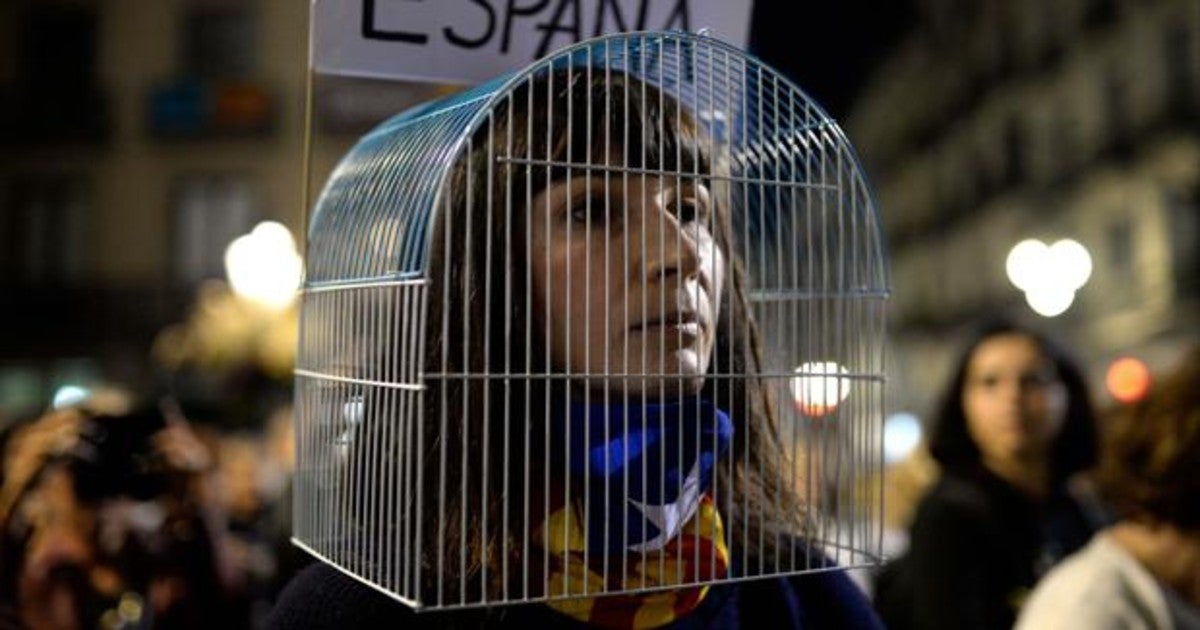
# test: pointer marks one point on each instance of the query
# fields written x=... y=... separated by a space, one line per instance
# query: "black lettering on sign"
x=369 y=31
x=458 y=40
x=556 y=26
x=681 y=15
x=512 y=10
x=642 y=11
x=601 y=6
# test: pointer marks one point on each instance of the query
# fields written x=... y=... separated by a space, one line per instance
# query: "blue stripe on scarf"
x=667 y=441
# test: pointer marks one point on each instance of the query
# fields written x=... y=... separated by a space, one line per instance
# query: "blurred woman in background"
x=1015 y=426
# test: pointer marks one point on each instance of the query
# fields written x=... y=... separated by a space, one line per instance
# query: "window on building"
x=1120 y=249
x=43 y=228
x=58 y=46
x=1185 y=233
x=973 y=181
x=1119 y=259
x=21 y=393
x=208 y=212
x=1063 y=146
x=1050 y=53
x=56 y=96
x=1182 y=72
x=1117 y=114
x=1015 y=151
x=218 y=41
x=1006 y=43
x=1099 y=13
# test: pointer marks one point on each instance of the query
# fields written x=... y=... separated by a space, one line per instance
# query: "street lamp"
x=264 y=266
x=901 y=436
x=1049 y=274
x=819 y=387
x=1127 y=379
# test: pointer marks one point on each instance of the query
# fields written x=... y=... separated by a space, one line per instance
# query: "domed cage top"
x=613 y=323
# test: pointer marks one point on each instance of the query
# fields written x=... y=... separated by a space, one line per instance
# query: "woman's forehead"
x=622 y=166
x=615 y=184
x=1008 y=350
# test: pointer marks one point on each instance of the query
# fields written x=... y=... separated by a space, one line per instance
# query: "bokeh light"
x=819 y=389
x=264 y=266
x=1049 y=274
x=69 y=395
x=1049 y=301
x=901 y=436
x=1025 y=261
x=1127 y=379
x=1071 y=263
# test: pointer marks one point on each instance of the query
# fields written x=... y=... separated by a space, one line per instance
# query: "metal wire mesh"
x=557 y=326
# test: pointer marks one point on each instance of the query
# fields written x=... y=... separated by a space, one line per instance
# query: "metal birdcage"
x=612 y=323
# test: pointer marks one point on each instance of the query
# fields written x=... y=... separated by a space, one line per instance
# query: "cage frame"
x=484 y=100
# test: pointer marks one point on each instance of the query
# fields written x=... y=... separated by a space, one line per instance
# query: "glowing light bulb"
x=1049 y=275
x=1025 y=262
x=1071 y=263
x=820 y=387
x=1127 y=379
x=1049 y=301
x=264 y=266
x=69 y=395
x=901 y=435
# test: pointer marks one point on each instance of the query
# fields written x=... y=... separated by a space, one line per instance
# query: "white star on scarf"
x=670 y=518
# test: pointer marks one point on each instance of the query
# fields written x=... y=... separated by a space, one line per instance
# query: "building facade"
x=999 y=120
x=137 y=139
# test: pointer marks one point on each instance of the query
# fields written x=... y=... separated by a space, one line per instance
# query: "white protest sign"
x=469 y=41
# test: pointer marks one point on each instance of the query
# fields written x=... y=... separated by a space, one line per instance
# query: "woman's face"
x=627 y=279
x=1013 y=400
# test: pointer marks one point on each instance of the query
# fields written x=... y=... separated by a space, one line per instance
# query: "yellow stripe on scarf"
x=562 y=537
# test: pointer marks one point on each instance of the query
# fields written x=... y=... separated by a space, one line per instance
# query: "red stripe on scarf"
x=615 y=611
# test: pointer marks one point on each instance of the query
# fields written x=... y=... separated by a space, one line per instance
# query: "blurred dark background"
x=138 y=139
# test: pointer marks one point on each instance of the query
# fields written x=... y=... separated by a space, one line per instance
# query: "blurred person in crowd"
x=239 y=477
x=106 y=522
x=1144 y=571
x=1014 y=428
x=278 y=466
x=253 y=472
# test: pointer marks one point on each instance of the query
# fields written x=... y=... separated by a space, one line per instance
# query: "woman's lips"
x=679 y=322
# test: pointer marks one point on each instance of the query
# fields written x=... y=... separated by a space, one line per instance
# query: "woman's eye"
x=590 y=211
x=1037 y=379
x=688 y=211
x=693 y=207
x=988 y=381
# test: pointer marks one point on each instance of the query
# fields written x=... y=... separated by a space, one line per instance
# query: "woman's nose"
x=1013 y=390
x=669 y=249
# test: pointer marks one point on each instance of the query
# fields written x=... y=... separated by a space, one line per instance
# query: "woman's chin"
x=661 y=386
x=681 y=372
x=665 y=386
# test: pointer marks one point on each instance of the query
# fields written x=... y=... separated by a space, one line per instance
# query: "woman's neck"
x=1032 y=478
x=1172 y=556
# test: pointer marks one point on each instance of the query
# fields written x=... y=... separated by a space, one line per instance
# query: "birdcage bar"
x=468 y=250
x=528 y=352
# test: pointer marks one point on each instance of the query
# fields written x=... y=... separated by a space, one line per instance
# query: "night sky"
x=828 y=48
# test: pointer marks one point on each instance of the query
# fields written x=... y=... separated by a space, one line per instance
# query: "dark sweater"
x=322 y=597
x=977 y=547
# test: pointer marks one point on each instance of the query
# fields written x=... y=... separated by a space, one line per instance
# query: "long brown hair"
x=1150 y=464
x=479 y=274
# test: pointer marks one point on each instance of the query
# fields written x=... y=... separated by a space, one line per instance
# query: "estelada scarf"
x=642 y=519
